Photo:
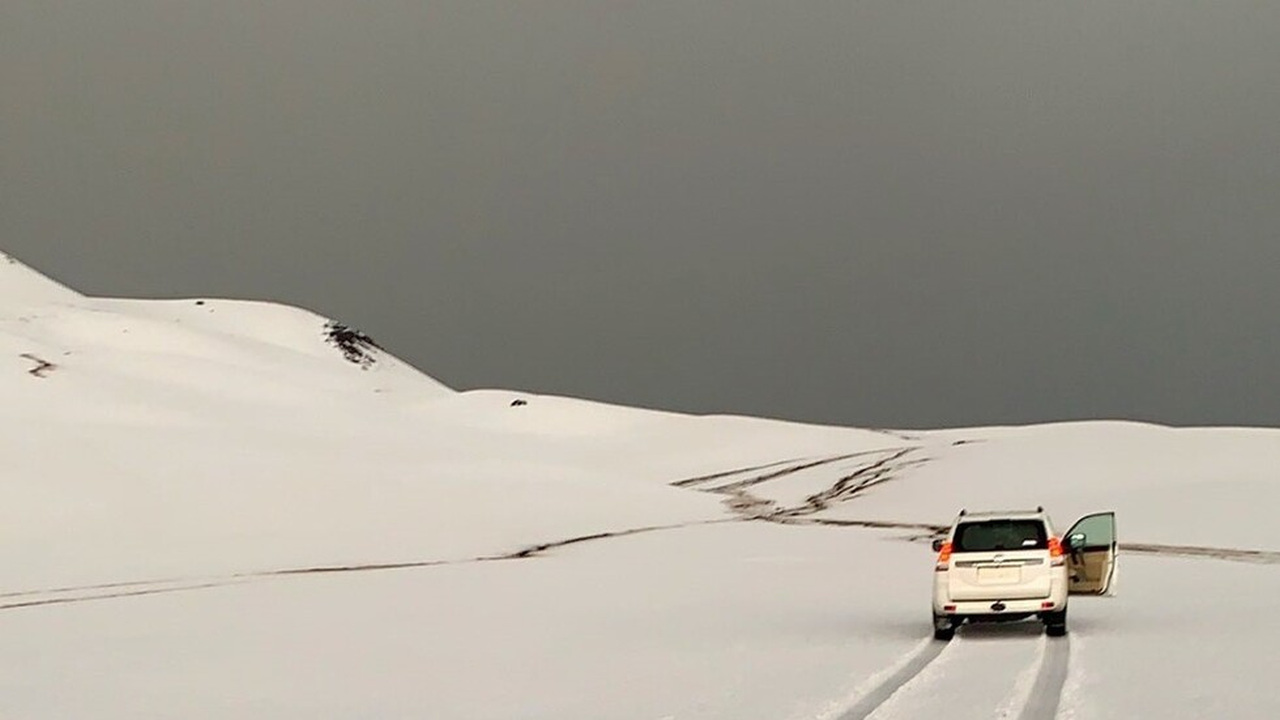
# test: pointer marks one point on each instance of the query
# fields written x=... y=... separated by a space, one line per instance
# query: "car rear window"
x=989 y=535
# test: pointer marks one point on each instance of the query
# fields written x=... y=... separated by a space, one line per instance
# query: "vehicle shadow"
x=1000 y=630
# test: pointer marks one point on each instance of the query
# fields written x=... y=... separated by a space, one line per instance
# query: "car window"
x=989 y=535
x=1099 y=530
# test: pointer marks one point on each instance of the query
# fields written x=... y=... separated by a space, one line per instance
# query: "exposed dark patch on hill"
x=43 y=367
x=356 y=347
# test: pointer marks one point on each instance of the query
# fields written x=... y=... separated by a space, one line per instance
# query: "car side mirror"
x=937 y=545
x=1076 y=541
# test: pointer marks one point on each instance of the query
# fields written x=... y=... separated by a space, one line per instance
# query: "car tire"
x=1055 y=624
x=944 y=628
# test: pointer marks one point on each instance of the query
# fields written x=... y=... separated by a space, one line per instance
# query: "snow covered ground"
x=212 y=509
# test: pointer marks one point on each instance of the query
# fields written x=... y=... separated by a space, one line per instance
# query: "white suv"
x=1002 y=566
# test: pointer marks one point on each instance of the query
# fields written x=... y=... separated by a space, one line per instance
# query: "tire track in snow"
x=1046 y=694
x=83 y=588
x=848 y=487
x=745 y=506
x=888 y=463
x=792 y=470
x=1042 y=696
x=140 y=589
x=111 y=591
x=905 y=673
x=999 y=670
x=1261 y=557
x=690 y=482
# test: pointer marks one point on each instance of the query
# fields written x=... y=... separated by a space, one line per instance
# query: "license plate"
x=999 y=575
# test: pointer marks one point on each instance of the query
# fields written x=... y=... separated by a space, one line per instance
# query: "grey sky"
x=874 y=212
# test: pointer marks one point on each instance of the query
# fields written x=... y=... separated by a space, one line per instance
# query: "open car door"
x=1091 y=563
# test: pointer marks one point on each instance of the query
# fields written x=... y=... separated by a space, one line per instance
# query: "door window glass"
x=1099 y=530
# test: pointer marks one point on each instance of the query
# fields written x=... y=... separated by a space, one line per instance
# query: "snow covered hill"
x=213 y=509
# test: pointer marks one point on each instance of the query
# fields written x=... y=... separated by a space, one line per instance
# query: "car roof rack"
x=1039 y=509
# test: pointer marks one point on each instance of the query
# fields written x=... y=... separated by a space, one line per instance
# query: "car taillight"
x=1055 y=551
x=944 y=557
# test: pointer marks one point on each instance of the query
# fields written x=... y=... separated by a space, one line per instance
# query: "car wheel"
x=1055 y=624
x=944 y=628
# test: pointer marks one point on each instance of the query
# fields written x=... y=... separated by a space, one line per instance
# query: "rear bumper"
x=997 y=609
